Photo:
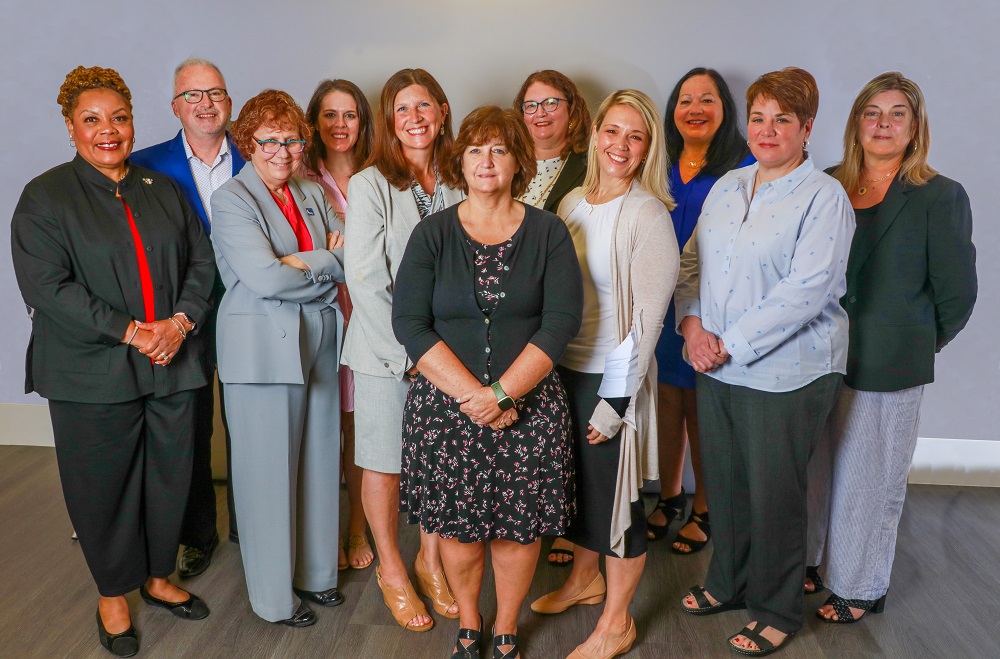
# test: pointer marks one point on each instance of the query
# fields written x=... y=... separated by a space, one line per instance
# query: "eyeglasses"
x=273 y=146
x=216 y=95
x=549 y=104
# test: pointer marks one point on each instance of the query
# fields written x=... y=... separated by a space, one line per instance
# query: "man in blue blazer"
x=200 y=159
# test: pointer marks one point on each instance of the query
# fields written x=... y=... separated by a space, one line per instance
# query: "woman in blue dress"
x=704 y=142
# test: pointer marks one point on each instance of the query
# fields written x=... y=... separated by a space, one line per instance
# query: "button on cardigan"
x=435 y=300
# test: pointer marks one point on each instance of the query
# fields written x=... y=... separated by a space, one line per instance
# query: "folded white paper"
x=621 y=367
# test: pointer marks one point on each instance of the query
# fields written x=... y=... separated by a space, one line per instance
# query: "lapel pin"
x=147 y=181
x=310 y=211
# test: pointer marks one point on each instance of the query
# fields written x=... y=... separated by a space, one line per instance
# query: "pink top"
x=339 y=203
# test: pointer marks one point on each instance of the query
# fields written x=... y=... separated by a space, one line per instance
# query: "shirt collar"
x=779 y=187
x=223 y=150
x=90 y=173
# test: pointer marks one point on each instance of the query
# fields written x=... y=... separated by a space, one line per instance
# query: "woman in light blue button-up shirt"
x=758 y=303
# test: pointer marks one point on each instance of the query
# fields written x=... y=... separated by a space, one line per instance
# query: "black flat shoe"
x=303 y=617
x=195 y=560
x=330 y=597
x=190 y=609
x=672 y=509
x=706 y=608
x=125 y=644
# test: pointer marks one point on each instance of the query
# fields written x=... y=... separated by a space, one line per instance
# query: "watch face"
x=505 y=403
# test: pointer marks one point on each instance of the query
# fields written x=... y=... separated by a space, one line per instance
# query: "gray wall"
x=481 y=52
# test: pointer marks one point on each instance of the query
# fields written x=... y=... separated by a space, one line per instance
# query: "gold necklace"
x=871 y=181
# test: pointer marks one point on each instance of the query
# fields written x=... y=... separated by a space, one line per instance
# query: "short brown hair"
x=794 y=90
x=578 y=135
x=366 y=129
x=268 y=108
x=387 y=154
x=482 y=126
x=84 y=78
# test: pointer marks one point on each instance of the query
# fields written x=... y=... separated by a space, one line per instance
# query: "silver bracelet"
x=180 y=328
x=134 y=332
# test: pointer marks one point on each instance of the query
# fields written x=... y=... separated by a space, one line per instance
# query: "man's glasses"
x=548 y=104
x=273 y=146
x=216 y=95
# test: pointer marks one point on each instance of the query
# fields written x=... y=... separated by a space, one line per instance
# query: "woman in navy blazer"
x=911 y=287
x=278 y=335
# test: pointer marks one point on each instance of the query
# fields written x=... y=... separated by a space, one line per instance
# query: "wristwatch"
x=504 y=402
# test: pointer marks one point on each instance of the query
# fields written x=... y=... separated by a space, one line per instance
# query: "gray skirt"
x=378 y=422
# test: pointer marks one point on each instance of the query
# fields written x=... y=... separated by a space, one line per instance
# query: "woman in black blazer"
x=911 y=287
x=110 y=257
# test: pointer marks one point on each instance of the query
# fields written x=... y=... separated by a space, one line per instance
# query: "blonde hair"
x=652 y=173
x=914 y=168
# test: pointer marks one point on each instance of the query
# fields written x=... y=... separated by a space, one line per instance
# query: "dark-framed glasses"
x=548 y=104
x=273 y=146
x=216 y=95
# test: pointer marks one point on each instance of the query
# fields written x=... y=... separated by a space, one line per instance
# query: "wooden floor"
x=944 y=601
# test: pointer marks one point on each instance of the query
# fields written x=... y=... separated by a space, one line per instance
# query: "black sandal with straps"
x=843 y=608
x=672 y=509
x=812 y=573
x=505 y=639
x=705 y=607
x=470 y=651
x=701 y=521
x=764 y=646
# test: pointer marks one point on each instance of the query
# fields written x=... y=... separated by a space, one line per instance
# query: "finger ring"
x=163 y=355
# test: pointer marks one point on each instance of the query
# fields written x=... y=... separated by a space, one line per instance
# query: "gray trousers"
x=755 y=447
x=286 y=474
x=857 y=484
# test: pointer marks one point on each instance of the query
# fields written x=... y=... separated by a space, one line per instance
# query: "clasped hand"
x=159 y=340
x=480 y=405
x=705 y=350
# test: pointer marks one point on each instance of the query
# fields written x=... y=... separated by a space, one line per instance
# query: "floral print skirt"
x=473 y=483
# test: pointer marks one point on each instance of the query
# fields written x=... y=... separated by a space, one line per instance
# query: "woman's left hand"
x=595 y=437
x=165 y=342
x=481 y=405
x=294 y=261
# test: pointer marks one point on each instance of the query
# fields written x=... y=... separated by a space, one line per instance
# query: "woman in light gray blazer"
x=385 y=202
x=277 y=243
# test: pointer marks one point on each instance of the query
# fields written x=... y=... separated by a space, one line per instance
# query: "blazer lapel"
x=311 y=214
x=279 y=230
x=865 y=240
x=180 y=171
x=404 y=201
x=575 y=167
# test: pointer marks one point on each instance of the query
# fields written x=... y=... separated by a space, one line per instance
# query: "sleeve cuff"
x=739 y=349
x=605 y=420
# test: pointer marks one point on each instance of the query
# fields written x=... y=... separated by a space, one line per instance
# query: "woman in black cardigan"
x=911 y=287
x=488 y=295
x=119 y=274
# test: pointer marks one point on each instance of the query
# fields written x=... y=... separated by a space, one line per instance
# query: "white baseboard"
x=937 y=461
x=973 y=462
x=25 y=425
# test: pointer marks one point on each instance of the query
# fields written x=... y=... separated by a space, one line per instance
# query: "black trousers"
x=125 y=470
x=755 y=446
x=596 y=467
x=200 y=516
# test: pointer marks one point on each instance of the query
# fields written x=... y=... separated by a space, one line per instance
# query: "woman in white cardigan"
x=620 y=223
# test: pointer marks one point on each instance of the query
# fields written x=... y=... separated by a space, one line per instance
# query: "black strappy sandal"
x=843 y=608
x=470 y=651
x=812 y=573
x=764 y=646
x=706 y=608
x=701 y=521
x=673 y=508
x=506 y=639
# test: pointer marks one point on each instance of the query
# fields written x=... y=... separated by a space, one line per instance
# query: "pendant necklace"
x=863 y=190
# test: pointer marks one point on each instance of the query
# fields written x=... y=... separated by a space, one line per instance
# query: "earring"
x=571 y=125
x=133 y=140
x=748 y=142
x=441 y=132
x=72 y=143
x=805 y=144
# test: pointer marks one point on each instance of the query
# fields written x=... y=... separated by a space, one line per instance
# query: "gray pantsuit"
x=857 y=484
x=755 y=447
x=278 y=349
x=286 y=463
